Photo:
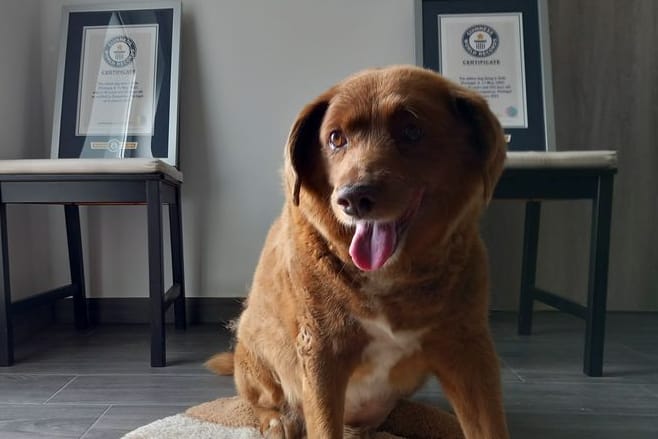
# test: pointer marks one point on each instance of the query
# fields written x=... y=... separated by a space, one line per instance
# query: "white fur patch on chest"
x=372 y=392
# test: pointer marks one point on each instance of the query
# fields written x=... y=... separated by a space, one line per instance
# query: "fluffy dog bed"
x=232 y=418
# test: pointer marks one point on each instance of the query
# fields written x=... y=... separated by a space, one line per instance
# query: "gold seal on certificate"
x=117 y=82
x=484 y=52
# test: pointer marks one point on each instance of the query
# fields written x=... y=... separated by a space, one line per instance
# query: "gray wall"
x=606 y=91
x=248 y=66
x=36 y=254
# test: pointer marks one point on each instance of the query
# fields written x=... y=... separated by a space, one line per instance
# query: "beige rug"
x=232 y=418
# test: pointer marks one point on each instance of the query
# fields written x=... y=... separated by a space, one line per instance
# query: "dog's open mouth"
x=374 y=242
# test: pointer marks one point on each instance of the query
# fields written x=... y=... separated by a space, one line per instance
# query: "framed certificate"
x=500 y=49
x=117 y=82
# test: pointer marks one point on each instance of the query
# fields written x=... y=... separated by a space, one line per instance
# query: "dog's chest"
x=373 y=389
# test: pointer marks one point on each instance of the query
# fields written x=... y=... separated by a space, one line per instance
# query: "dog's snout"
x=356 y=200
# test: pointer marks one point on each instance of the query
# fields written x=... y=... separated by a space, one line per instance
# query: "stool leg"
x=177 y=267
x=528 y=266
x=156 y=273
x=598 y=277
x=6 y=332
x=76 y=265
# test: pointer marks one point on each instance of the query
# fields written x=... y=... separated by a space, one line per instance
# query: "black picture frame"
x=539 y=133
x=161 y=141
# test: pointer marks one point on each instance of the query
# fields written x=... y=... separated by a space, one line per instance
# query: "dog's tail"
x=222 y=363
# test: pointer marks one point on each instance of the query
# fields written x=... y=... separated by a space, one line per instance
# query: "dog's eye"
x=412 y=133
x=337 y=139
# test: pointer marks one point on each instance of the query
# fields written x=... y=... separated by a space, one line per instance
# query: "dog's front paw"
x=281 y=426
x=274 y=429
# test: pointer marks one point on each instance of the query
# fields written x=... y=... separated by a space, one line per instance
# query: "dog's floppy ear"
x=303 y=138
x=487 y=136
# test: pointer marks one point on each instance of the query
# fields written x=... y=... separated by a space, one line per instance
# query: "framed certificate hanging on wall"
x=500 y=49
x=117 y=82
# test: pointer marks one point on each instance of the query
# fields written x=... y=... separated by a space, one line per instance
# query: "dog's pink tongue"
x=372 y=244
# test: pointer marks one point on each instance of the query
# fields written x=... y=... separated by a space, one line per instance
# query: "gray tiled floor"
x=98 y=384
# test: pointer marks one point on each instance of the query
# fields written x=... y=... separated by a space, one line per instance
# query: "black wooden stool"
x=74 y=182
x=581 y=175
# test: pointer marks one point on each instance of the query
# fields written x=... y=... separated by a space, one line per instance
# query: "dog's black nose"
x=356 y=200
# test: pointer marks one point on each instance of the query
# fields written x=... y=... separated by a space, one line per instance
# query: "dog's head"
x=390 y=161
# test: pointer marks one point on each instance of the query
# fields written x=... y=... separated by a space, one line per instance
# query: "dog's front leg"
x=324 y=382
x=470 y=376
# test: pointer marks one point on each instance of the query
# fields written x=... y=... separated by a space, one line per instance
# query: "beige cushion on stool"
x=561 y=159
x=89 y=166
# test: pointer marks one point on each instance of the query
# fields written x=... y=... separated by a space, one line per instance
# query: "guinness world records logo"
x=120 y=51
x=480 y=40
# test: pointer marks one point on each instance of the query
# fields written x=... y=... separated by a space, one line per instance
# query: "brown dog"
x=374 y=277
